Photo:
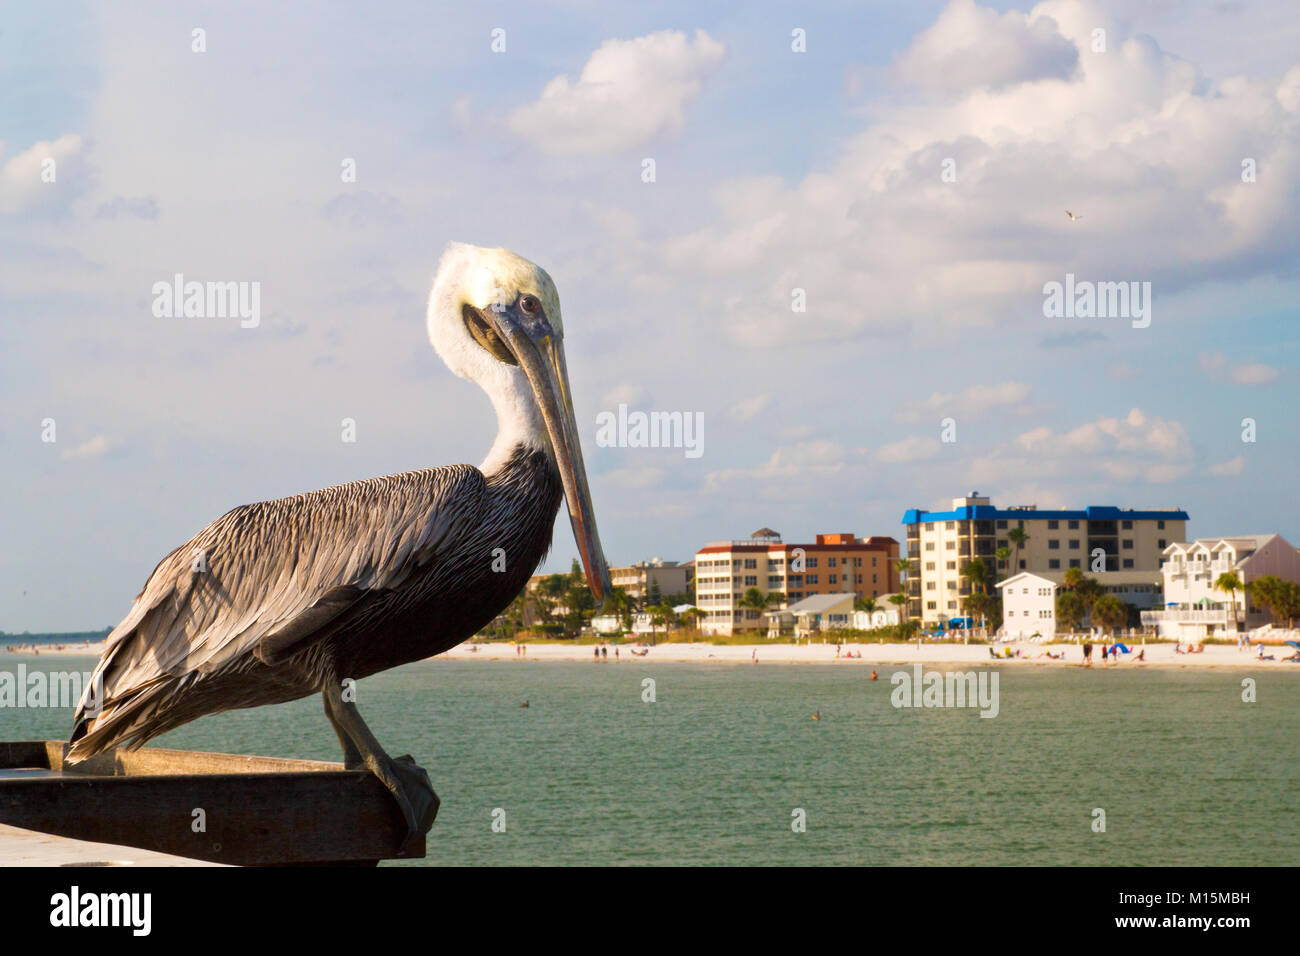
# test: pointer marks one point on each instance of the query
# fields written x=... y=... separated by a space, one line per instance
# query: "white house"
x=821 y=612
x=1028 y=605
x=1029 y=598
x=1194 y=608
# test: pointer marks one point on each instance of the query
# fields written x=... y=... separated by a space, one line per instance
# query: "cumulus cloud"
x=1234 y=466
x=1254 y=374
x=748 y=409
x=124 y=207
x=1135 y=447
x=971 y=47
x=629 y=92
x=624 y=394
x=92 y=448
x=911 y=449
x=23 y=178
x=949 y=211
x=968 y=403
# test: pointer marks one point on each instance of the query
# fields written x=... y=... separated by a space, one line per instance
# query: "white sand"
x=782 y=652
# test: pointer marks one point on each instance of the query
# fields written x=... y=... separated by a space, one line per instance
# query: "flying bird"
x=1073 y=217
x=302 y=595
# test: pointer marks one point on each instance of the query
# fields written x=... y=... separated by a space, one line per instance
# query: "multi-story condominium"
x=1029 y=598
x=1097 y=538
x=835 y=563
x=1194 y=607
x=644 y=577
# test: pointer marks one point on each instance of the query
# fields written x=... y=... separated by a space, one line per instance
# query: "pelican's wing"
x=265 y=578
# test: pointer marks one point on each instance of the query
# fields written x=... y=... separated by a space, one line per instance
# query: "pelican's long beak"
x=541 y=356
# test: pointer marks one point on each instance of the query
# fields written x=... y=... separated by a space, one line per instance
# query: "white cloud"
x=1234 y=466
x=880 y=241
x=21 y=183
x=1254 y=374
x=92 y=448
x=971 y=47
x=968 y=403
x=909 y=449
x=748 y=409
x=629 y=92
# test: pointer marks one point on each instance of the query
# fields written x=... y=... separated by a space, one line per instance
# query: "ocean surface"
x=713 y=771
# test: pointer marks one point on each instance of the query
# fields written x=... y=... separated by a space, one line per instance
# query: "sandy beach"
x=1157 y=655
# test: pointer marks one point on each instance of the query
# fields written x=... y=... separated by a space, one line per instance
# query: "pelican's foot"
x=410 y=787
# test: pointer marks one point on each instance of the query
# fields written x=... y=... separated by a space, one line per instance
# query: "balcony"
x=1186 y=616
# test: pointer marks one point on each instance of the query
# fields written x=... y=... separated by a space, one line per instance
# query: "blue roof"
x=990 y=513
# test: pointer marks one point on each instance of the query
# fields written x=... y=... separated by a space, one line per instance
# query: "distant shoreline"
x=1157 y=655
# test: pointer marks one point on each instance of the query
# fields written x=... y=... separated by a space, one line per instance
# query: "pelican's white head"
x=494 y=318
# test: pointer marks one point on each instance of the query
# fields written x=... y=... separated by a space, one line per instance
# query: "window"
x=1002 y=523
x=952 y=585
x=873 y=561
x=931 y=605
x=952 y=565
x=952 y=605
x=951 y=525
x=1074 y=562
x=1054 y=544
x=1160 y=525
x=929 y=565
x=873 y=579
x=751 y=564
x=1053 y=525
x=1127 y=544
x=1054 y=563
x=830 y=562
x=832 y=579
x=1128 y=562
x=1128 y=525
x=930 y=585
x=811 y=563
x=1074 y=544
x=1002 y=543
x=751 y=580
x=1073 y=526
x=812 y=578
x=951 y=545
x=1161 y=542
x=929 y=546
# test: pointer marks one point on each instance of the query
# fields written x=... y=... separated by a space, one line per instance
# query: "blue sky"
x=775 y=170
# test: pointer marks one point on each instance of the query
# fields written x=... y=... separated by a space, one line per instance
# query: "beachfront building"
x=1029 y=598
x=1194 y=607
x=645 y=577
x=834 y=564
x=941 y=543
x=822 y=612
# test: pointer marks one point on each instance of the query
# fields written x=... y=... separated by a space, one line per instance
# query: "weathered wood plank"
x=254 y=810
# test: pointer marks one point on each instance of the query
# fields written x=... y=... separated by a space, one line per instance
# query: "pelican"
x=1073 y=217
x=302 y=595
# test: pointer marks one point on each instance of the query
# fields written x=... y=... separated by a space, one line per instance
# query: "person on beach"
x=1087 y=653
x=595 y=653
x=604 y=652
x=1103 y=654
x=1142 y=654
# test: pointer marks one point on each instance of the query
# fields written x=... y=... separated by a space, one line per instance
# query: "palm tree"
x=1230 y=584
x=622 y=603
x=1069 y=610
x=1017 y=537
x=755 y=600
x=904 y=568
x=976 y=573
x=867 y=604
x=695 y=615
x=1110 y=612
x=1003 y=555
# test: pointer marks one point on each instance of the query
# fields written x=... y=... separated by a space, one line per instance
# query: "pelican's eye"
x=530 y=305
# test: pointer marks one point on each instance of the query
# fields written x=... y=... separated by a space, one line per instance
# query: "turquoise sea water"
x=711 y=772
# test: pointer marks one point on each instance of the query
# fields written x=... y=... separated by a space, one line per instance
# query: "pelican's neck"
x=519 y=422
